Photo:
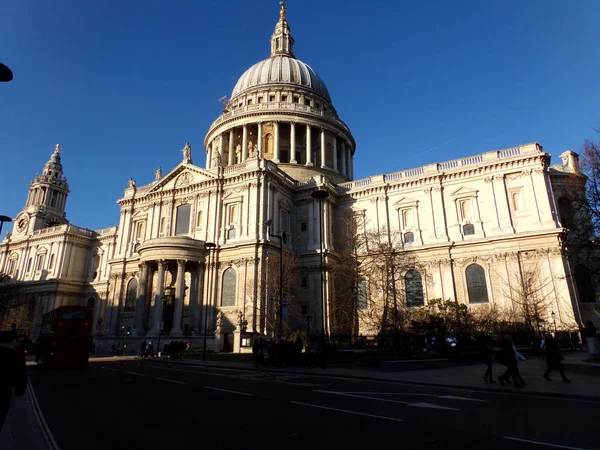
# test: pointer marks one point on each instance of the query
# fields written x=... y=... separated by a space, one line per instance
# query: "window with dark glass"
x=476 y=284
x=409 y=237
x=303 y=226
x=304 y=282
x=362 y=294
x=414 y=288
x=583 y=281
x=229 y=285
x=183 y=219
x=130 y=299
x=468 y=229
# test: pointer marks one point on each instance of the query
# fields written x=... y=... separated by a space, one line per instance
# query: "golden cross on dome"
x=282 y=12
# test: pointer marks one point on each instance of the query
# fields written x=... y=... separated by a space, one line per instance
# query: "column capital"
x=143 y=265
x=181 y=262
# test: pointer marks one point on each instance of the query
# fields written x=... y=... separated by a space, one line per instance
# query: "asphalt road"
x=148 y=405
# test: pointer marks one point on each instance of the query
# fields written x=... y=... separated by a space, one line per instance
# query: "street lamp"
x=553 y=314
x=208 y=246
x=2 y=220
x=166 y=293
x=321 y=194
x=5 y=73
x=281 y=237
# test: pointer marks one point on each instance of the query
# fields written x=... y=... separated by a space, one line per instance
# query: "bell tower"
x=47 y=198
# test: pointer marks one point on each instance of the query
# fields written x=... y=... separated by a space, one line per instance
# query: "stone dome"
x=281 y=70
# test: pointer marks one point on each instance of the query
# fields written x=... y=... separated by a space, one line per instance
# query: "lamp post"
x=208 y=246
x=2 y=220
x=553 y=314
x=321 y=194
x=166 y=293
x=281 y=239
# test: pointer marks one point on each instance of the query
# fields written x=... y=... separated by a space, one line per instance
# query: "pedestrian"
x=487 y=354
x=543 y=348
x=13 y=374
x=143 y=348
x=509 y=359
x=554 y=360
x=519 y=357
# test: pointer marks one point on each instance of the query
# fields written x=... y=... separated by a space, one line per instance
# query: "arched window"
x=231 y=234
x=29 y=265
x=51 y=262
x=183 y=219
x=565 y=210
x=414 y=288
x=199 y=220
x=163 y=225
x=583 y=281
x=229 y=287
x=131 y=295
x=476 y=284
x=468 y=229
x=91 y=302
x=409 y=237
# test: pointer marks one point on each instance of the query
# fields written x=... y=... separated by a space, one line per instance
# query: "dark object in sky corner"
x=5 y=73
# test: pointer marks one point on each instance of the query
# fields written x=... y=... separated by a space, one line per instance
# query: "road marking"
x=390 y=393
x=135 y=373
x=49 y=438
x=348 y=412
x=454 y=397
x=227 y=390
x=114 y=370
x=418 y=405
x=431 y=405
x=170 y=381
x=543 y=443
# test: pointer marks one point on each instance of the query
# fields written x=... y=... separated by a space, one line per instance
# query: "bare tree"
x=15 y=308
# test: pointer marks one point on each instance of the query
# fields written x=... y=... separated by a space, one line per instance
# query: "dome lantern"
x=282 y=42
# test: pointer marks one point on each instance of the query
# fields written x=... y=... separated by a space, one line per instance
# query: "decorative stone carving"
x=187 y=153
x=184 y=179
x=131 y=183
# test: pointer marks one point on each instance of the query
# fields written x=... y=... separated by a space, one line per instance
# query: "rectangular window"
x=271 y=98
x=182 y=225
x=296 y=99
x=307 y=101
x=304 y=282
x=232 y=214
x=303 y=226
x=284 y=98
x=40 y=262
x=259 y=99
x=249 y=101
x=285 y=221
x=361 y=302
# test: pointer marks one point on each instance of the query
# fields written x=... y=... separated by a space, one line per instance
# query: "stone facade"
x=277 y=141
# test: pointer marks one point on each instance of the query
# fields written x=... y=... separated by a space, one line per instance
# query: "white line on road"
x=48 y=436
x=431 y=405
x=418 y=405
x=170 y=381
x=114 y=370
x=348 y=412
x=135 y=373
x=454 y=397
x=227 y=390
x=543 y=443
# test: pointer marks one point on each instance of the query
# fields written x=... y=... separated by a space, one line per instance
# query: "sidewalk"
x=24 y=428
x=467 y=376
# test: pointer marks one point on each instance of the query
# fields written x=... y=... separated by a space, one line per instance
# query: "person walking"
x=509 y=359
x=554 y=360
x=13 y=372
x=487 y=354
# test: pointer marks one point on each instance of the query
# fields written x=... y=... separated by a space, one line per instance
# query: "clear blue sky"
x=122 y=85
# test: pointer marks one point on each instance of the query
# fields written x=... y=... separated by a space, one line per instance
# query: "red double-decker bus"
x=65 y=336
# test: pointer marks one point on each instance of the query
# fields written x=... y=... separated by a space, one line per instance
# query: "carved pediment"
x=181 y=176
x=140 y=214
x=464 y=192
x=405 y=201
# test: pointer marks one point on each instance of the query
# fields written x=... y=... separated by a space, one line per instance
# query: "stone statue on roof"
x=158 y=174
x=187 y=153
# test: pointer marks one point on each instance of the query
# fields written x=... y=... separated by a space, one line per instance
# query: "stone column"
x=195 y=295
x=244 y=143
x=344 y=156
x=230 y=157
x=293 y=143
x=308 y=147
x=334 y=147
x=350 y=164
x=260 y=140
x=221 y=147
x=323 y=148
x=276 y=142
x=179 y=295
x=158 y=304
x=140 y=308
